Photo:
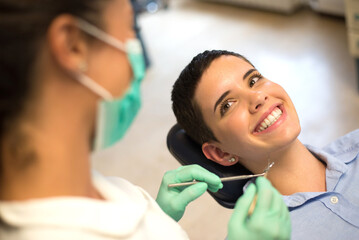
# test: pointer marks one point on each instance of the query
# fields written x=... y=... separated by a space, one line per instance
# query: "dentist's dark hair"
x=185 y=108
x=23 y=28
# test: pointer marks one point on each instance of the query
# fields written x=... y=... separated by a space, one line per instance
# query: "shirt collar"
x=335 y=168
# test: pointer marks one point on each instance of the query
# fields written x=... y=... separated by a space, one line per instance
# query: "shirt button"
x=334 y=200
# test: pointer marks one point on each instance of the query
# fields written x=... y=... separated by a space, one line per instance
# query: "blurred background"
x=302 y=45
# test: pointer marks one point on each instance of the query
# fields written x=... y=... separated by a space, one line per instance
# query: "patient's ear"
x=214 y=153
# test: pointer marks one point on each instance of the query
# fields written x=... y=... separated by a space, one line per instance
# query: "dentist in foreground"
x=70 y=83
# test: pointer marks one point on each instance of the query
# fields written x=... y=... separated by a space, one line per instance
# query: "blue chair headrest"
x=187 y=152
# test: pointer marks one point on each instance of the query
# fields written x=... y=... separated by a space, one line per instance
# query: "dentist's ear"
x=66 y=42
x=214 y=153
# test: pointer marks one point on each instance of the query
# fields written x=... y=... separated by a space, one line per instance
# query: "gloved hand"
x=173 y=201
x=269 y=220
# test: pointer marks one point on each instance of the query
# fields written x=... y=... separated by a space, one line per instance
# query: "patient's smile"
x=269 y=120
x=272 y=118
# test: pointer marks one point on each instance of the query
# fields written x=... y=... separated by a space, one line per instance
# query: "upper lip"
x=265 y=115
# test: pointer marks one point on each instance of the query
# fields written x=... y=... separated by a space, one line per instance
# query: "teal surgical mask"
x=115 y=116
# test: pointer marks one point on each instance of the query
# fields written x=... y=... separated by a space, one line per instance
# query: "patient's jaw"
x=250 y=116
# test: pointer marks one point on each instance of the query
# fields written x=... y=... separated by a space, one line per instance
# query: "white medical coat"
x=128 y=213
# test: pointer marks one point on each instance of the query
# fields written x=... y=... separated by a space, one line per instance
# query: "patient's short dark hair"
x=186 y=110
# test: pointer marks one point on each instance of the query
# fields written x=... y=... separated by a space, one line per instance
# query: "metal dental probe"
x=225 y=179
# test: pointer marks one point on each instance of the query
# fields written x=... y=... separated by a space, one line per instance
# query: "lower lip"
x=275 y=125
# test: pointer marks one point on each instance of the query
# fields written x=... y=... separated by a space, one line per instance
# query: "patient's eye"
x=254 y=78
x=225 y=106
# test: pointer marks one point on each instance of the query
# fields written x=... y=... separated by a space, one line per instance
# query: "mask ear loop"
x=131 y=46
x=99 y=34
x=94 y=86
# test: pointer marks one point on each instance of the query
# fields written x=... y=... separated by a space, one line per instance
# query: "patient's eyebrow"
x=249 y=72
x=220 y=99
x=227 y=92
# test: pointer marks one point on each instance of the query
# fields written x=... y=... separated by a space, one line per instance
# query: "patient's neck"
x=297 y=170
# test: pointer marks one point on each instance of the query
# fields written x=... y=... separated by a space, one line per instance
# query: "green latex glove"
x=269 y=220
x=174 y=201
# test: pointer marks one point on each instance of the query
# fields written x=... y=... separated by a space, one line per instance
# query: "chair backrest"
x=187 y=152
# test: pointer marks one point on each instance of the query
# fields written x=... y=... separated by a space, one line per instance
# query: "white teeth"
x=275 y=113
x=271 y=118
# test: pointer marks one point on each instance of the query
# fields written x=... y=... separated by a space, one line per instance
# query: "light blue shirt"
x=333 y=214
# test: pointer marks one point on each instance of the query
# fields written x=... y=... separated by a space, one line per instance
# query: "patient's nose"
x=257 y=100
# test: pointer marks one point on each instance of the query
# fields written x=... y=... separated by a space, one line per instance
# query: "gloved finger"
x=285 y=226
x=170 y=176
x=285 y=210
x=190 y=193
x=277 y=205
x=196 y=172
x=241 y=208
x=215 y=188
x=285 y=215
x=277 y=210
x=277 y=202
x=265 y=196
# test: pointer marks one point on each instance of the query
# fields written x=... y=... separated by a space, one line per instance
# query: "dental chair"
x=186 y=151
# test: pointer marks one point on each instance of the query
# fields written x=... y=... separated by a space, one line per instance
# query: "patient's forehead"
x=221 y=74
x=226 y=65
